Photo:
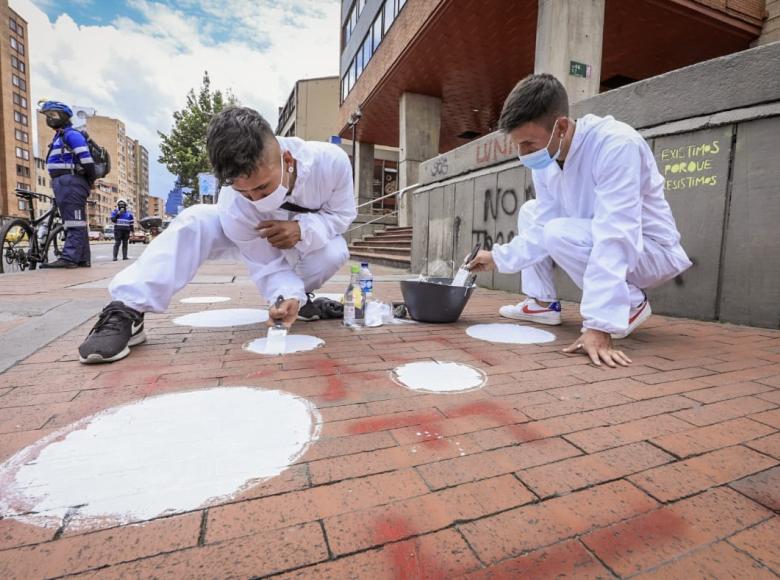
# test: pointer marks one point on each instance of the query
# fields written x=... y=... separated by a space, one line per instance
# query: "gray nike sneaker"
x=118 y=328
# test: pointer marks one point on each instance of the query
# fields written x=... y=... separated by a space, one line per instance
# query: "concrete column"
x=420 y=125
x=571 y=32
x=364 y=173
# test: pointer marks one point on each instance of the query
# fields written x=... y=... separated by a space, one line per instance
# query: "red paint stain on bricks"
x=424 y=420
x=405 y=559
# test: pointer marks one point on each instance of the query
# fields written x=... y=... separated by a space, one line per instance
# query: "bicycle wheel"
x=55 y=241
x=15 y=239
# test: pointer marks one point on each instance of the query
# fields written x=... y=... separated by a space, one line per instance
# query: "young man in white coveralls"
x=599 y=213
x=283 y=211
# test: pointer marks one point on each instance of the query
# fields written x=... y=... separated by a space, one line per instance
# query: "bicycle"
x=25 y=243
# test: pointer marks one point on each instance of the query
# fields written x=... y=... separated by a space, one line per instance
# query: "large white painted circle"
x=439 y=377
x=292 y=343
x=509 y=333
x=204 y=299
x=223 y=318
x=161 y=455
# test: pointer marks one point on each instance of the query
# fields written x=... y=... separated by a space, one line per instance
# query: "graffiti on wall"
x=690 y=165
x=497 y=203
x=499 y=148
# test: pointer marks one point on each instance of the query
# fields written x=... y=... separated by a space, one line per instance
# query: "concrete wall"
x=715 y=142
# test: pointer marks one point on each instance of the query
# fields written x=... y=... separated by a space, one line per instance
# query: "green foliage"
x=183 y=152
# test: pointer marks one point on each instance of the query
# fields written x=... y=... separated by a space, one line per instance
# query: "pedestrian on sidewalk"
x=125 y=222
x=284 y=209
x=72 y=172
x=600 y=214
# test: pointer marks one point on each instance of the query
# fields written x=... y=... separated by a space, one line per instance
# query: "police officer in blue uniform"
x=72 y=172
x=125 y=222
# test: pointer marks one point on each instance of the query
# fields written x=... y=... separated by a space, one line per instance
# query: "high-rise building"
x=175 y=201
x=17 y=159
x=156 y=206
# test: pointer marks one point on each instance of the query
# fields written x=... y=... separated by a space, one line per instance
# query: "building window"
x=12 y=24
x=20 y=118
x=18 y=82
x=20 y=100
x=389 y=12
x=22 y=170
x=21 y=185
x=22 y=136
x=18 y=64
x=382 y=23
x=22 y=153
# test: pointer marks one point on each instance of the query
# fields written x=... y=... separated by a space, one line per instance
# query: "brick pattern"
x=669 y=468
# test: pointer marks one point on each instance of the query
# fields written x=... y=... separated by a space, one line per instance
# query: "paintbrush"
x=276 y=340
x=463 y=275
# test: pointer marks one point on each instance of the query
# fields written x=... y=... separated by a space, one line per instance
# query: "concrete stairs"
x=391 y=246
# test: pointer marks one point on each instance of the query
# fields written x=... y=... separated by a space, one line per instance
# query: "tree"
x=183 y=152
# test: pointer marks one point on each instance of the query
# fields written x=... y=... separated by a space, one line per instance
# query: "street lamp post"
x=352 y=121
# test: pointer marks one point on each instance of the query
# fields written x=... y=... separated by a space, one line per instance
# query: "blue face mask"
x=541 y=159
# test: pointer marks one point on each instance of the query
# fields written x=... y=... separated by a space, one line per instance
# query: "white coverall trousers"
x=173 y=258
x=569 y=242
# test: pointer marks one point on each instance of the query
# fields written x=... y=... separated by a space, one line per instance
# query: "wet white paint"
x=292 y=343
x=509 y=333
x=165 y=454
x=223 y=318
x=439 y=377
x=204 y=299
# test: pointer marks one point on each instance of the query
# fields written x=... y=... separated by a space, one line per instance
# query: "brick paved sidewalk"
x=668 y=468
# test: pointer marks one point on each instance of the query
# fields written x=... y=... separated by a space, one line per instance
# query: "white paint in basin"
x=223 y=318
x=439 y=377
x=292 y=343
x=204 y=299
x=165 y=454
x=509 y=333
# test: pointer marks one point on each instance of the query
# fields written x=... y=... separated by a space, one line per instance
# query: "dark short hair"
x=539 y=98
x=236 y=142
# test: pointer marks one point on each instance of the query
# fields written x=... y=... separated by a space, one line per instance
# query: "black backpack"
x=99 y=154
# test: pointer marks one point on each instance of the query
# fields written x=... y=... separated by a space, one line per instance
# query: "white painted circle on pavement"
x=292 y=343
x=223 y=318
x=439 y=377
x=204 y=299
x=509 y=333
x=161 y=455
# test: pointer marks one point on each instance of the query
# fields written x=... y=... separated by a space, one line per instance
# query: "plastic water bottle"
x=350 y=317
x=43 y=231
x=366 y=280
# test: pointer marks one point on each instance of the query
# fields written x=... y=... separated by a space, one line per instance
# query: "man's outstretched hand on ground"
x=598 y=346
x=287 y=312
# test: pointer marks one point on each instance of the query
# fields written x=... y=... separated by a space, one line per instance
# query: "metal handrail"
x=381 y=217
x=399 y=193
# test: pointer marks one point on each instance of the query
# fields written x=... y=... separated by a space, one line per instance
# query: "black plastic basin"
x=435 y=300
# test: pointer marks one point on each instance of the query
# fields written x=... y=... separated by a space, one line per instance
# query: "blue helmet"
x=56 y=106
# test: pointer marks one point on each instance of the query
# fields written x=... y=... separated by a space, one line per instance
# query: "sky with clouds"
x=135 y=60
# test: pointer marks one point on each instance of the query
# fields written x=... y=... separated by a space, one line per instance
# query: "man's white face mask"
x=274 y=200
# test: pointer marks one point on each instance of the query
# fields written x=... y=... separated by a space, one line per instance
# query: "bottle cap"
x=355 y=268
x=364 y=264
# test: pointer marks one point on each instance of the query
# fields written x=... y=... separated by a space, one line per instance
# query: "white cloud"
x=140 y=71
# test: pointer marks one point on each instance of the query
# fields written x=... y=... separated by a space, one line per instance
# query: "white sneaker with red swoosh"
x=636 y=317
x=530 y=310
